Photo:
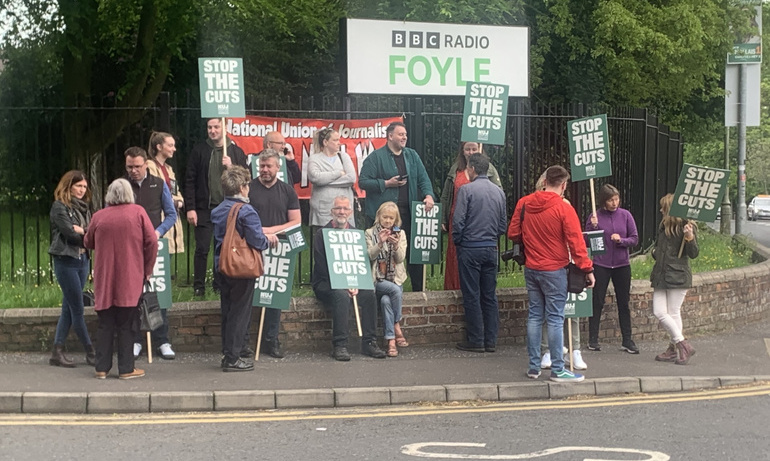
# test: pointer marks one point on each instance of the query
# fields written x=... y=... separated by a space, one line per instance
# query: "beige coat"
x=374 y=250
x=175 y=235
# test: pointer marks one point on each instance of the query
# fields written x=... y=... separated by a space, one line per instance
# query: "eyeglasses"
x=280 y=143
x=341 y=208
x=134 y=167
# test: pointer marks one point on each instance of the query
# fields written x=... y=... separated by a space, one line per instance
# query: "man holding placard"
x=479 y=220
x=277 y=204
x=353 y=260
x=395 y=173
x=203 y=192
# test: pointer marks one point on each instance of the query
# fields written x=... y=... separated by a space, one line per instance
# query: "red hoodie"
x=550 y=224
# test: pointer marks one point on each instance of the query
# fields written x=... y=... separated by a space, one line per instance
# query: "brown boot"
x=669 y=355
x=685 y=351
x=58 y=359
x=91 y=355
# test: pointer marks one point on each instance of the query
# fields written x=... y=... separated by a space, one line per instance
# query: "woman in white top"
x=332 y=174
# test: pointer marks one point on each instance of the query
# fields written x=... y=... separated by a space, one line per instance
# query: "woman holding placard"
x=619 y=235
x=387 y=250
x=458 y=177
x=671 y=277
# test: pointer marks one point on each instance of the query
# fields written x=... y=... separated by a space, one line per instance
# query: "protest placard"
x=347 y=259
x=426 y=234
x=589 y=148
x=579 y=304
x=222 y=89
x=595 y=242
x=160 y=280
x=699 y=192
x=273 y=288
x=485 y=113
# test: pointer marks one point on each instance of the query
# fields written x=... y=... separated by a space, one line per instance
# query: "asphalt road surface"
x=758 y=230
x=719 y=425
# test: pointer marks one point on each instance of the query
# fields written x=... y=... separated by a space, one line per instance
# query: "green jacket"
x=448 y=192
x=671 y=271
x=380 y=166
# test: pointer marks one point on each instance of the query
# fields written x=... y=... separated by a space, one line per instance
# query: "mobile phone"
x=403 y=177
x=395 y=230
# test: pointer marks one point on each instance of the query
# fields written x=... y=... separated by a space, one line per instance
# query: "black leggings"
x=621 y=280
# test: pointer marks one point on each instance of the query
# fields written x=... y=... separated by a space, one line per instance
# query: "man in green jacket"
x=395 y=173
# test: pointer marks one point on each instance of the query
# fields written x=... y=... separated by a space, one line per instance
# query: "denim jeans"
x=71 y=274
x=547 y=292
x=478 y=282
x=389 y=294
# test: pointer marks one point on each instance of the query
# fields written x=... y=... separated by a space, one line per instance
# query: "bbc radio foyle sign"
x=394 y=57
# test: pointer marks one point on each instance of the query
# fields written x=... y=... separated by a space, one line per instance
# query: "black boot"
x=58 y=359
x=91 y=355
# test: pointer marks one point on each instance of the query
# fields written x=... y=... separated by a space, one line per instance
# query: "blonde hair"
x=670 y=224
x=63 y=191
x=389 y=206
x=321 y=136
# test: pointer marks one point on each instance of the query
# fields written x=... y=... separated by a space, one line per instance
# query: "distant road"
x=758 y=230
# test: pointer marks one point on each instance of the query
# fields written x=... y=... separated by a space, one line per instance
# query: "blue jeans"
x=547 y=292
x=71 y=274
x=389 y=294
x=478 y=282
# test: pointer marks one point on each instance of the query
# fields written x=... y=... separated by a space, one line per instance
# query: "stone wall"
x=718 y=301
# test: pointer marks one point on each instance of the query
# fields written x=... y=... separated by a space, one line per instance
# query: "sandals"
x=392 y=351
x=400 y=340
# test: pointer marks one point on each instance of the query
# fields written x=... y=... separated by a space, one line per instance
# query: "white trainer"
x=137 y=349
x=545 y=362
x=166 y=352
x=577 y=361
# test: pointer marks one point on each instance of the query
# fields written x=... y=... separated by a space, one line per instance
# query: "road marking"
x=339 y=414
x=415 y=449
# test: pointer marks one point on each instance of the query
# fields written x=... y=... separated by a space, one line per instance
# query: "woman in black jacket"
x=70 y=215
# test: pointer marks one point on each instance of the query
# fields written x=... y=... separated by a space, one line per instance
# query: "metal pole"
x=740 y=218
x=727 y=210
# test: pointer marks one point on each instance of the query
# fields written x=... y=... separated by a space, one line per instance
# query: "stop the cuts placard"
x=699 y=192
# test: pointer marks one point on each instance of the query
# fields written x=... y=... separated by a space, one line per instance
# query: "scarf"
x=385 y=267
x=80 y=211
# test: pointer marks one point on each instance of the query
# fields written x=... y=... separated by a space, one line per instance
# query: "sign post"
x=485 y=113
x=348 y=262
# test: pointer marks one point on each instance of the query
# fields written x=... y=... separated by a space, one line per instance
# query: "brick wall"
x=718 y=301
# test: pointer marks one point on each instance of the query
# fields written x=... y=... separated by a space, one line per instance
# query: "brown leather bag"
x=236 y=258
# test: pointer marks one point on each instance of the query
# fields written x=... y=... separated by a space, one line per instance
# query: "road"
x=758 y=230
x=718 y=425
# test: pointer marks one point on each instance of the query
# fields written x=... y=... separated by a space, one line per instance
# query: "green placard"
x=282 y=175
x=579 y=304
x=160 y=280
x=595 y=242
x=221 y=82
x=425 y=240
x=485 y=113
x=273 y=289
x=699 y=192
x=347 y=259
x=589 y=148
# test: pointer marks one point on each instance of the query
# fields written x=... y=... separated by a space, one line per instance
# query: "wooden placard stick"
x=569 y=338
x=358 y=316
x=149 y=347
x=259 y=334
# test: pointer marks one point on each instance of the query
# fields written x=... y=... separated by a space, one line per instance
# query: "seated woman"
x=387 y=250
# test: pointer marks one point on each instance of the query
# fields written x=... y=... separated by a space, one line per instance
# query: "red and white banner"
x=358 y=138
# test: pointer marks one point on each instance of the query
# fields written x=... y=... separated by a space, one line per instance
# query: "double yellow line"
x=359 y=413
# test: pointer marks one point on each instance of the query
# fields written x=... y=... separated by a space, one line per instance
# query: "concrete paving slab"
x=523 y=391
x=651 y=384
x=243 y=400
x=10 y=402
x=563 y=390
x=54 y=402
x=691 y=383
x=361 y=396
x=611 y=386
x=181 y=401
x=460 y=392
x=735 y=380
x=304 y=398
x=414 y=394
x=118 y=402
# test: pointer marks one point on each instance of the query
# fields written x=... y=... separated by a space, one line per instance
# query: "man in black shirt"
x=277 y=204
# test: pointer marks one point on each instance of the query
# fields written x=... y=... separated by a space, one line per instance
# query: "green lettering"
x=393 y=69
x=410 y=68
x=459 y=72
x=442 y=70
x=478 y=71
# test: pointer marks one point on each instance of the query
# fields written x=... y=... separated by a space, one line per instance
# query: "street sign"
x=221 y=83
x=699 y=192
x=347 y=259
x=485 y=113
x=426 y=234
x=589 y=148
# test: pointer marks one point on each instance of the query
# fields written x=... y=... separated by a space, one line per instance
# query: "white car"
x=759 y=207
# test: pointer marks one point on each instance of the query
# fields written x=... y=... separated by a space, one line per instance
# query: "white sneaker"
x=545 y=362
x=577 y=361
x=137 y=350
x=166 y=352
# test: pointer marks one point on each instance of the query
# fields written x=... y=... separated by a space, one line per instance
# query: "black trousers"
x=236 y=296
x=415 y=270
x=338 y=303
x=204 y=232
x=621 y=280
x=125 y=322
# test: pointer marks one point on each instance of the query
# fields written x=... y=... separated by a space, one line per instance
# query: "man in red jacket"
x=550 y=231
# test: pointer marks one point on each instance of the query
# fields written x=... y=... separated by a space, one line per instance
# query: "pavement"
x=194 y=381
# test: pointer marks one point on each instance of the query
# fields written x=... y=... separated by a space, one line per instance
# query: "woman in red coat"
x=125 y=249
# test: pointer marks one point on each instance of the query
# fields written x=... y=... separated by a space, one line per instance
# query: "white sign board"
x=732 y=79
x=395 y=57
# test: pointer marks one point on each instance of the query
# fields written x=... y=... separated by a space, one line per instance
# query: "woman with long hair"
x=161 y=149
x=70 y=216
x=671 y=277
x=456 y=178
x=332 y=175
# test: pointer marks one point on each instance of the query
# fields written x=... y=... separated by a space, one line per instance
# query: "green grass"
x=33 y=288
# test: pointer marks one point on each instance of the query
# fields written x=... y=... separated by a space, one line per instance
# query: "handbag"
x=576 y=279
x=149 y=307
x=236 y=258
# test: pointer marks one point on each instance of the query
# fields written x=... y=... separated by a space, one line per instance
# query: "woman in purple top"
x=619 y=235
